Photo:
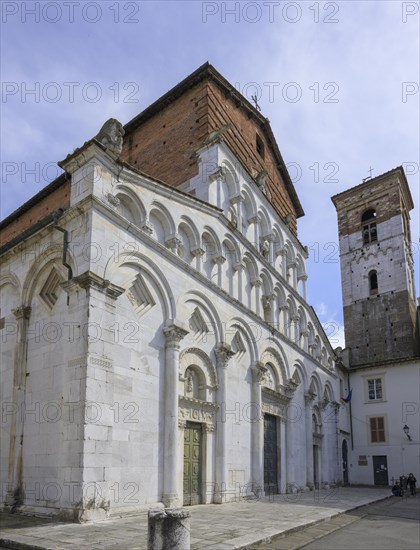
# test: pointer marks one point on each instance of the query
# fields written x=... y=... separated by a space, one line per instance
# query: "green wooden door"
x=192 y=464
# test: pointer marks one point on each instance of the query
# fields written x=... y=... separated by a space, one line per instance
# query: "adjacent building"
x=381 y=328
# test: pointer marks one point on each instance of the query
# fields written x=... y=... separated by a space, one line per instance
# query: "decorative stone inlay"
x=50 y=290
x=238 y=346
x=198 y=324
x=139 y=296
x=197 y=411
x=174 y=334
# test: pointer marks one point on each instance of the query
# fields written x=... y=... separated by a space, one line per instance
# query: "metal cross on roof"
x=370 y=174
x=255 y=100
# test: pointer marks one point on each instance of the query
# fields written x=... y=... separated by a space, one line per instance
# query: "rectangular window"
x=375 y=389
x=377 y=429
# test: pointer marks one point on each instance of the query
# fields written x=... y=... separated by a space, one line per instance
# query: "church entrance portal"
x=192 y=464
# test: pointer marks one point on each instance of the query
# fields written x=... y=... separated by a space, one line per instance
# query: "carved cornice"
x=90 y=280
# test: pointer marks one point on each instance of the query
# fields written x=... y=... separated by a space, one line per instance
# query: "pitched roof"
x=207 y=71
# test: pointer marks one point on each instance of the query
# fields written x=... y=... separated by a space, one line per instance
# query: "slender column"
x=219 y=261
x=256 y=221
x=239 y=269
x=283 y=457
x=174 y=334
x=256 y=305
x=290 y=448
x=305 y=336
x=294 y=329
x=309 y=441
x=268 y=307
x=198 y=254
x=257 y=430
x=15 y=493
x=223 y=354
x=284 y=319
x=303 y=278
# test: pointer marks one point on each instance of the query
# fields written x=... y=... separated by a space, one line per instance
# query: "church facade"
x=157 y=345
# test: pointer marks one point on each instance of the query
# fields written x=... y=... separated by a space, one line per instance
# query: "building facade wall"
x=173 y=317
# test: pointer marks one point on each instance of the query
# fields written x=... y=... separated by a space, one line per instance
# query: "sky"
x=339 y=82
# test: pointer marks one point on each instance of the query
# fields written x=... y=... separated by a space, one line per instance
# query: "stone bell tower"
x=377 y=273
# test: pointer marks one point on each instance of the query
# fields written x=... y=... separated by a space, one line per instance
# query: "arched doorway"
x=344 y=455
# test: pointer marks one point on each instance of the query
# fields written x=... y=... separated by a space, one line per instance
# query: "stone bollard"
x=169 y=529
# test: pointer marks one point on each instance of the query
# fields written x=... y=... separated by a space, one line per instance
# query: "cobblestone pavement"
x=216 y=527
x=393 y=523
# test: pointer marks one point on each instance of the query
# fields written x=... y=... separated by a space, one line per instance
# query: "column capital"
x=256 y=282
x=309 y=397
x=22 y=312
x=197 y=252
x=254 y=219
x=223 y=353
x=147 y=227
x=259 y=372
x=219 y=260
x=302 y=277
x=173 y=242
x=267 y=300
x=174 y=333
x=236 y=199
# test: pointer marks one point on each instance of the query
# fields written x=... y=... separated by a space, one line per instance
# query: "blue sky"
x=338 y=81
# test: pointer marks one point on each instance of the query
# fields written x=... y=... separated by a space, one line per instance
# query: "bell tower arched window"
x=369 y=226
x=373 y=282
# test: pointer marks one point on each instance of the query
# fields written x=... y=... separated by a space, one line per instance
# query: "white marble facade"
x=181 y=307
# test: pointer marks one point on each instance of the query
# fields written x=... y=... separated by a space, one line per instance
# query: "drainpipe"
x=65 y=249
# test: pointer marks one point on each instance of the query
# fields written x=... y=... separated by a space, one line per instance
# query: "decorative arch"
x=237 y=324
x=315 y=384
x=328 y=392
x=231 y=178
x=9 y=278
x=299 y=373
x=278 y=360
x=162 y=215
x=43 y=263
x=198 y=358
x=130 y=205
x=140 y=262
x=265 y=222
x=198 y=298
